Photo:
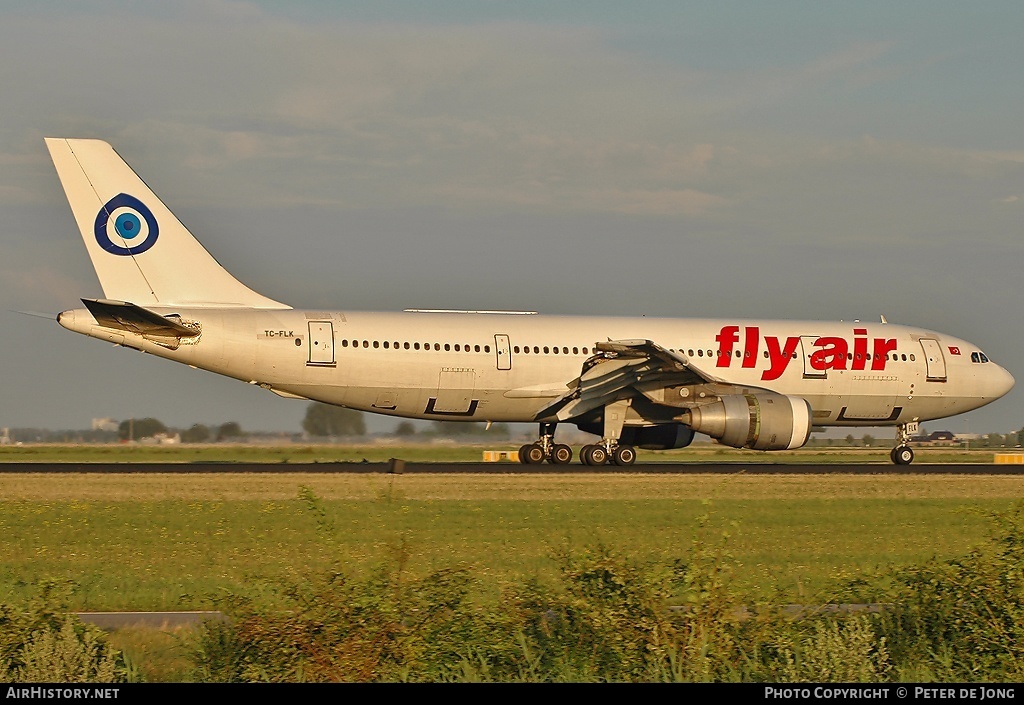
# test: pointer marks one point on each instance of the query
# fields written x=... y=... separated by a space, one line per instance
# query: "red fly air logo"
x=125 y=226
x=825 y=353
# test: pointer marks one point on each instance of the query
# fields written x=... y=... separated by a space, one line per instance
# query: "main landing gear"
x=545 y=449
x=599 y=454
x=608 y=450
x=903 y=454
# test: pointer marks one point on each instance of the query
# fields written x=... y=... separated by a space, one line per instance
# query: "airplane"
x=648 y=383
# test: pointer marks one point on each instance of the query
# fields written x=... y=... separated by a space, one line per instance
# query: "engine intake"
x=762 y=421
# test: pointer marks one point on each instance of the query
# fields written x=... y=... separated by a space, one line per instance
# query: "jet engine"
x=762 y=421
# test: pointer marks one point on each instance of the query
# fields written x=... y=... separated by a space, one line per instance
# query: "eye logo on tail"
x=125 y=226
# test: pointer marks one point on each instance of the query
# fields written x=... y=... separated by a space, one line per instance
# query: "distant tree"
x=849 y=439
x=868 y=440
x=1020 y=437
x=133 y=429
x=327 y=420
x=228 y=431
x=405 y=429
x=197 y=433
x=995 y=440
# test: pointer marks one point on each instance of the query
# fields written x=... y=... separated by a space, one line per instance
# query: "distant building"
x=936 y=438
x=104 y=424
x=5 y=437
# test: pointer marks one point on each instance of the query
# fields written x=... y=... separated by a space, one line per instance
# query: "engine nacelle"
x=762 y=421
x=660 y=437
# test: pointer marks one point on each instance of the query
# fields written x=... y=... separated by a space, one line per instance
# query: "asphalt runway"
x=399 y=466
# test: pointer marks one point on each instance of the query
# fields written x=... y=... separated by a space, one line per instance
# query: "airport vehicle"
x=634 y=382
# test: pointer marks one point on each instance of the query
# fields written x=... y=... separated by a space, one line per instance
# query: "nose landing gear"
x=903 y=454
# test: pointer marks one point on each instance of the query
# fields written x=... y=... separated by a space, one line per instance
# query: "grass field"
x=154 y=541
x=140 y=541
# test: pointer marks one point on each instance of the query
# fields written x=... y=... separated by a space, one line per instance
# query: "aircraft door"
x=934 y=360
x=503 y=351
x=321 y=344
x=808 y=349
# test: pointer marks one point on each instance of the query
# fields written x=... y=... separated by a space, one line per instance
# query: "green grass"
x=166 y=542
x=153 y=541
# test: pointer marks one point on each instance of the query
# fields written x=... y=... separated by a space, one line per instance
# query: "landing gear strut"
x=545 y=449
x=609 y=448
x=903 y=454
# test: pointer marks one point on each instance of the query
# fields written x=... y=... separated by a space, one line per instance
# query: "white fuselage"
x=501 y=367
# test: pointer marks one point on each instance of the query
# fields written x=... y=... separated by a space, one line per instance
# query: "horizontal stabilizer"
x=126 y=316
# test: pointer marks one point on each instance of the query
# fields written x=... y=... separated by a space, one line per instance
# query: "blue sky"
x=784 y=160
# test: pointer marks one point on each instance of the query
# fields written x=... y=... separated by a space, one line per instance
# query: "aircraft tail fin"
x=140 y=250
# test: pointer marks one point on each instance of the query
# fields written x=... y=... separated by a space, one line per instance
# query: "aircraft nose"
x=1000 y=382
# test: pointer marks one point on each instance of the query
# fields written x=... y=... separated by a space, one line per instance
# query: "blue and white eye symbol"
x=125 y=226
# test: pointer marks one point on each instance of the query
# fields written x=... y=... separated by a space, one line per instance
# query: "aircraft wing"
x=618 y=365
x=125 y=316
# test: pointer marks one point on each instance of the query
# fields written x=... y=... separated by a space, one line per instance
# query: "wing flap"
x=615 y=367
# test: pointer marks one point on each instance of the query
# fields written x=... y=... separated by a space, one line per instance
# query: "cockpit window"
x=979 y=357
x=983 y=357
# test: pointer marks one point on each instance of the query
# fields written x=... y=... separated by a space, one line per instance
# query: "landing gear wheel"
x=902 y=455
x=533 y=454
x=585 y=454
x=595 y=455
x=561 y=455
x=522 y=453
x=624 y=455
